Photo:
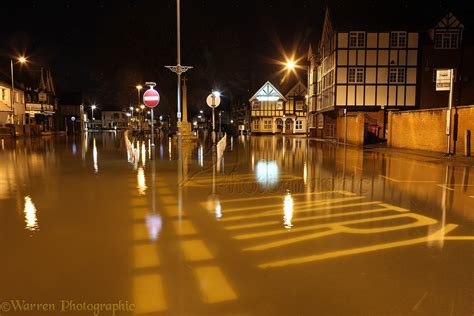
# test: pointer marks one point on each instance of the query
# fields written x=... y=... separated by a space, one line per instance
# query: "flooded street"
x=278 y=226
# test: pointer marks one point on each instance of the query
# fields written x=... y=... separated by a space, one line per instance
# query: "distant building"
x=361 y=69
x=115 y=119
x=9 y=114
x=41 y=104
x=444 y=46
x=71 y=115
x=275 y=113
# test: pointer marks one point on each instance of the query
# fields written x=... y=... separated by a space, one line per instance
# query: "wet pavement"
x=278 y=226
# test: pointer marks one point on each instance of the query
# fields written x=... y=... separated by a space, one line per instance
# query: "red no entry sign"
x=151 y=98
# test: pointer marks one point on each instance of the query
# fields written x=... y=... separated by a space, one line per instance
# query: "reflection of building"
x=362 y=69
x=41 y=104
x=115 y=119
x=271 y=112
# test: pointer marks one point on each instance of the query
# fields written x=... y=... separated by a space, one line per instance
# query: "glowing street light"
x=21 y=60
x=139 y=87
x=290 y=64
x=93 y=107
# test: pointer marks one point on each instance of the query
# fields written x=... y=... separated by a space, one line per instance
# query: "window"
x=267 y=124
x=446 y=40
x=299 y=124
x=356 y=75
x=255 y=124
x=279 y=105
x=3 y=94
x=398 y=39
x=256 y=105
x=299 y=105
x=356 y=39
x=397 y=75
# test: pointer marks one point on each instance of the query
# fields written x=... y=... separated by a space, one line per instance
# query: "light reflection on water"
x=288 y=210
x=30 y=211
x=141 y=181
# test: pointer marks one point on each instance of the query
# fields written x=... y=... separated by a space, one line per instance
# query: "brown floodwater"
x=277 y=226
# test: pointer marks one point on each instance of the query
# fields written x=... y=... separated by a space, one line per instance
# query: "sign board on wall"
x=443 y=79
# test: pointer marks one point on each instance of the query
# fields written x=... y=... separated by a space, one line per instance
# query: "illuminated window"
x=299 y=124
x=446 y=40
x=299 y=105
x=356 y=75
x=356 y=39
x=279 y=105
x=256 y=105
x=255 y=124
x=398 y=39
x=267 y=124
x=397 y=75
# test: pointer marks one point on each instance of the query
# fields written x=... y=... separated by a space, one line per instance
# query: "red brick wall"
x=426 y=129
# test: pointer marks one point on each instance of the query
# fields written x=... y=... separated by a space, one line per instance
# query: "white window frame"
x=356 y=75
x=299 y=124
x=397 y=75
x=445 y=40
x=398 y=39
x=357 y=39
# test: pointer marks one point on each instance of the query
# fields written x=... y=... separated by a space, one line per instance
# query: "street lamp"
x=21 y=60
x=290 y=64
x=139 y=87
x=93 y=107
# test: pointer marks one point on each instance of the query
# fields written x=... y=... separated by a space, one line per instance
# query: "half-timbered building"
x=275 y=113
x=361 y=69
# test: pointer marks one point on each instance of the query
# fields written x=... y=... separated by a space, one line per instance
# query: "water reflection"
x=95 y=155
x=154 y=223
x=141 y=181
x=288 y=210
x=30 y=211
x=267 y=173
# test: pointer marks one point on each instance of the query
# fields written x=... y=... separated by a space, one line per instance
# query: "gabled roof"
x=268 y=90
x=449 y=21
x=298 y=89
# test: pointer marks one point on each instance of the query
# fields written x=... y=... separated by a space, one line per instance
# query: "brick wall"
x=355 y=128
x=426 y=129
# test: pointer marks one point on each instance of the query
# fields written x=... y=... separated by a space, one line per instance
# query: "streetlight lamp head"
x=216 y=93
x=93 y=106
x=22 y=59
x=139 y=87
x=290 y=64
x=131 y=108
x=201 y=111
x=142 y=106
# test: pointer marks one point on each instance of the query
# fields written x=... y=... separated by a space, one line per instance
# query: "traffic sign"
x=151 y=97
x=443 y=79
x=213 y=100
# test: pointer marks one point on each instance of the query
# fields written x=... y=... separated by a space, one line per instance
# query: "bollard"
x=467 y=147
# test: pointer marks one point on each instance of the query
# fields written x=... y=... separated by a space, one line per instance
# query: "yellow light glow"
x=142 y=106
x=22 y=59
x=288 y=210
x=30 y=215
x=139 y=87
x=141 y=181
x=290 y=64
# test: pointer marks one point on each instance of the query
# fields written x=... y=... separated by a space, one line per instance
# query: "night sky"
x=104 y=48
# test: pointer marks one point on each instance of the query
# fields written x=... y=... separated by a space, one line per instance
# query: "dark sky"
x=104 y=48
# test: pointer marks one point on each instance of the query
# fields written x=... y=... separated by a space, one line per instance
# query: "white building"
x=12 y=114
x=275 y=113
x=115 y=119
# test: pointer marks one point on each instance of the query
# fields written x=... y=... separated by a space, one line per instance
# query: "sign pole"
x=448 y=116
x=152 y=128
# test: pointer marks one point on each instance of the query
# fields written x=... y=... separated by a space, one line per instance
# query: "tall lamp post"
x=93 y=107
x=178 y=69
x=139 y=88
x=21 y=60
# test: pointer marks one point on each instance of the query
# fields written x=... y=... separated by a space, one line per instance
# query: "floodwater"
x=278 y=226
